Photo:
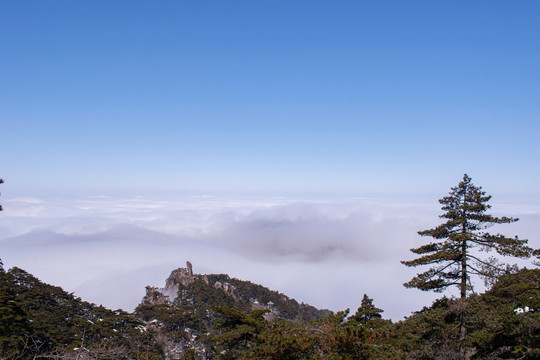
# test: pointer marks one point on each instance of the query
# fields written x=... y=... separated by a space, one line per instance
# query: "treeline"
x=286 y=307
x=40 y=321
x=503 y=323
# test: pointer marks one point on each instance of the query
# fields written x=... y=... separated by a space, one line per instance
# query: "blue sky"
x=269 y=96
x=349 y=117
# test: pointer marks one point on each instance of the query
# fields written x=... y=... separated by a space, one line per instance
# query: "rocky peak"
x=180 y=276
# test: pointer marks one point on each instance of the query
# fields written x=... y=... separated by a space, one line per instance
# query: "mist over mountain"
x=135 y=242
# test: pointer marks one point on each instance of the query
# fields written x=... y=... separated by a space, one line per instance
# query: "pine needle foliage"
x=452 y=256
x=367 y=313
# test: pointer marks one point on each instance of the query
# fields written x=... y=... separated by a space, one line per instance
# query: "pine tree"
x=367 y=312
x=452 y=257
x=238 y=330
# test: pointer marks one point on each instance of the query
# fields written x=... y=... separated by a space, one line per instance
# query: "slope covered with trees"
x=38 y=319
x=43 y=321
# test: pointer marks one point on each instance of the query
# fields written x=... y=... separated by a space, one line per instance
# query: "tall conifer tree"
x=453 y=257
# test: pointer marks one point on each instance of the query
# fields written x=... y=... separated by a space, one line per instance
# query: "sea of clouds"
x=325 y=252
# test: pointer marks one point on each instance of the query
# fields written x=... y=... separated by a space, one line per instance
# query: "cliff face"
x=181 y=277
x=155 y=296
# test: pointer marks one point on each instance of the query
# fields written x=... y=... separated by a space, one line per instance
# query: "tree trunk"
x=462 y=335
x=463 y=288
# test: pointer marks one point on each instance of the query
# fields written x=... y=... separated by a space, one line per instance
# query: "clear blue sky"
x=299 y=99
x=278 y=97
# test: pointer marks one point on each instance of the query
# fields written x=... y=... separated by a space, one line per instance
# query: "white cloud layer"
x=324 y=252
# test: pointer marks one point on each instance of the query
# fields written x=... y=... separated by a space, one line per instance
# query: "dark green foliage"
x=190 y=354
x=453 y=258
x=505 y=321
x=201 y=294
x=285 y=307
x=38 y=318
x=495 y=329
x=431 y=333
x=367 y=313
x=497 y=323
x=14 y=324
x=248 y=336
x=190 y=320
x=450 y=257
x=238 y=330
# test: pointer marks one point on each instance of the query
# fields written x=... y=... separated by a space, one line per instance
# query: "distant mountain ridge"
x=183 y=287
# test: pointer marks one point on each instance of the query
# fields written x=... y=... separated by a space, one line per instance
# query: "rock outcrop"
x=154 y=296
x=180 y=276
x=227 y=289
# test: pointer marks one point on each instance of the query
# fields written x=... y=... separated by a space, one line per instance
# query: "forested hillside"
x=200 y=302
x=43 y=321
